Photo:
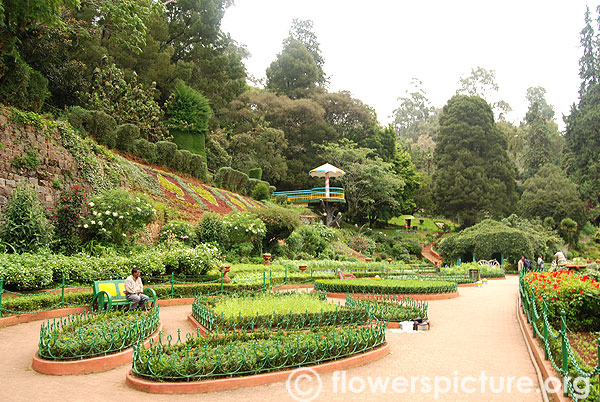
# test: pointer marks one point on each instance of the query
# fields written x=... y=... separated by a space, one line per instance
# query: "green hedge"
x=384 y=286
x=37 y=271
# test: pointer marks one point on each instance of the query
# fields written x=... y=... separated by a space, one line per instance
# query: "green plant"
x=231 y=179
x=384 y=286
x=279 y=222
x=178 y=230
x=165 y=151
x=245 y=227
x=212 y=229
x=255 y=173
x=261 y=192
x=67 y=219
x=23 y=224
x=28 y=162
x=188 y=110
x=146 y=150
x=191 y=261
x=115 y=216
x=127 y=135
x=88 y=335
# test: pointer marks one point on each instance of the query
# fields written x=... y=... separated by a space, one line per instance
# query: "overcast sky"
x=374 y=48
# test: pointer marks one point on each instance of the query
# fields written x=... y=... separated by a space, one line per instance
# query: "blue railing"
x=336 y=194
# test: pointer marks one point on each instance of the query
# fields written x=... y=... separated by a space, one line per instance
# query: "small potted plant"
x=266 y=257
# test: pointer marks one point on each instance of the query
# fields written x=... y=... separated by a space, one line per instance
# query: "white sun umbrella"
x=326 y=171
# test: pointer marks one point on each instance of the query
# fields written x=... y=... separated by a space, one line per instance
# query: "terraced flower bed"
x=272 y=311
x=95 y=334
x=390 y=308
x=385 y=286
x=250 y=353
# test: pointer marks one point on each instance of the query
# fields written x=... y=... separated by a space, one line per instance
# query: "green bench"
x=112 y=293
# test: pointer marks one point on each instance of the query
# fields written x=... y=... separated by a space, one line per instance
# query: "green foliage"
x=188 y=110
x=294 y=72
x=212 y=229
x=279 y=222
x=569 y=227
x=146 y=150
x=115 y=216
x=21 y=85
x=550 y=194
x=261 y=192
x=25 y=271
x=473 y=175
x=23 y=224
x=193 y=142
x=67 y=219
x=127 y=135
x=245 y=227
x=29 y=161
x=384 y=286
x=177 y=230
x=371 y=184
x=311 y=239
x=255 y=173
x=197 y=167
x=485 y=271
x=231 y=179
x=95 y=124
x=191 y=261
x=513 y=237
x=89 y=335
x=165 y=151
x=126 y=100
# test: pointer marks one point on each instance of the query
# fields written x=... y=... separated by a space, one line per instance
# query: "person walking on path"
x=540 y=262
x=521 y=264
x=134 y=289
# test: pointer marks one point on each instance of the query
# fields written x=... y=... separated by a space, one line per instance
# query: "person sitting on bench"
x=134 y=289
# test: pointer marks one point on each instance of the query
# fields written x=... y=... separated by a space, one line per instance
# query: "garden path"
x=477 y=332
x=431 y=256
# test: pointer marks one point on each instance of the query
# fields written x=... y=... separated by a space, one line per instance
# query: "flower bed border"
x=223 y=384
x=417 y=296
x=87 y=366
x=544 y=366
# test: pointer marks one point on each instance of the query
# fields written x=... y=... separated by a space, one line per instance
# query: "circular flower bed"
x=385 y=286
x=94 y=334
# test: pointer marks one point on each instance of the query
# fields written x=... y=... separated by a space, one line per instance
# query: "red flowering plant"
x=67 y=219
x=578 y=296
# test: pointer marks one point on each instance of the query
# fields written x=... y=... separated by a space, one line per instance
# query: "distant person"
x=527 y=265
x=540 y=262
x=521 y=264
x=134 y=290
x=559 y=258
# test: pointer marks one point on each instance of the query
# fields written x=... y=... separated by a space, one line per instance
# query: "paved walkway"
x=470 y=335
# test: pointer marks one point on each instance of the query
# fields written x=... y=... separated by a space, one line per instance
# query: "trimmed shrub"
x=23 y=225
x=166 y=151
x=231 y=179
x=146 y=150
x=127 y=134
x=261 y=192
x=255 y=173
x=188 y=110
x=212 y=229
x=385 y=286
x=198 y=167
x=80 y=119
x=103 y=128
x=279 y=222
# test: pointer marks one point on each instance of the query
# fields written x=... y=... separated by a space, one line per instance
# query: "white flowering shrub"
x=245 y=227
x=115 y=215
x=183 y=260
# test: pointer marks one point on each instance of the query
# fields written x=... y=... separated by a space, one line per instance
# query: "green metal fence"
x=562 y=358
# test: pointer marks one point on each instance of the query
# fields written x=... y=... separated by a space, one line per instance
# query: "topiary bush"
x=146 y=150
x=255 y=173
x=261 y=192
x=103 y=128
x=127 y=135
x=231 y=179
x=23 y=224
x=197 y=167
x=279 y=222
x=166 y=151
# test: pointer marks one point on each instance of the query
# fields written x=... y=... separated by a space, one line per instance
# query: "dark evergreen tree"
x=474 y=176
